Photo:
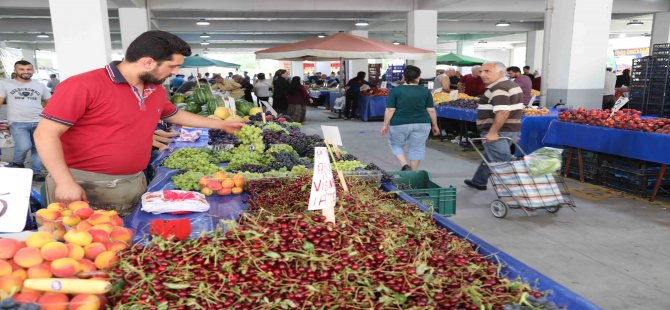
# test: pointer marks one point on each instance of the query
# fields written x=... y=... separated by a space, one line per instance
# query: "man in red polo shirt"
x=95 y=135
x=472 y=84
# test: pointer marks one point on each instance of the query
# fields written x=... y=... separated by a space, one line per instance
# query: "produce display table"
x=533 y=129
x=370 y=107
x=639 y=145
x=468 y=115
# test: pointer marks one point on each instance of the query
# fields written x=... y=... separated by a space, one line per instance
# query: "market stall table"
x=533 y=129
x=639 y=145
x=371 y=107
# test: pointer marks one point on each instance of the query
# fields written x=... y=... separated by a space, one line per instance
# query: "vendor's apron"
x=106 y=191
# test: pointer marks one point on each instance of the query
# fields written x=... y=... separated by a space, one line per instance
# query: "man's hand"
x=492 y=137
x=69 y=192
x=231 y=127
x=384 y=130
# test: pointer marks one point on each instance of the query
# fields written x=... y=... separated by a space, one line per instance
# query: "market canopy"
x=197 y=61
x=459 y=60
x=342 y=46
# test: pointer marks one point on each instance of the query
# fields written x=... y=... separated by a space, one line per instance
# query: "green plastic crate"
x=424 y=190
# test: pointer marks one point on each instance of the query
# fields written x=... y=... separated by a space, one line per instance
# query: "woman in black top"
x=279 y=86
x=353 y=91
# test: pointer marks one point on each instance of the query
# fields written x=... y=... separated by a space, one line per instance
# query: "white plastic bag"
x=544 y=161
x=6 y=139
x=339 y=103
x=174 y=201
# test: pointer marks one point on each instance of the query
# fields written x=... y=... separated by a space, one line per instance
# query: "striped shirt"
x=501 y=95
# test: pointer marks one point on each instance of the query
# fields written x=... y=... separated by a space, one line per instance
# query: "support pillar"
x=534 y=42
x=297 y=69
x=660 y=31
x=354 y=66
x=578 y=34
x=81 y=35
x=422 y=33
x=133 y=22
x=465 y=48
x=28 y=54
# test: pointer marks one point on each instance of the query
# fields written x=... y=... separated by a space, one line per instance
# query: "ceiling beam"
x=286 y=5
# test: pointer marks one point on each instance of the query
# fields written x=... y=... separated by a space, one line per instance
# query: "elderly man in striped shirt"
x=498 y=115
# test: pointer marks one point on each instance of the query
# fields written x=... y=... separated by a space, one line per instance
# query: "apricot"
x=99 y=218
x=10 y=283
x=75 y=205
x=41 y=271
x=228 y=183
x=38 y=239
x=71 y=220
x=106 y=260
x=28 y=257
x=56 y=206
x=83 y=213
x=54 y=250
x=5 y=268
x=53 y=301
x=87 y=265
x=237 y=190
x=75 y=251
x=81 y=238
x=65 y=267
x=121 y=234
x=8 y=248
x=107 y=227
x=224 y=191
x=99 y=235
x=85 y=302
x=214 y=185
x=115 y=246
x=92 y=250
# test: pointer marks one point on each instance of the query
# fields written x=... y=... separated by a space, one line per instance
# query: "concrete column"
x=354 y=66
x=28 y=54
x=322 y=66
x=133 y=22
x=81 y=35
x=465 y=48
x=660 y=31
x=422 y=33
x=296 y=70
x=534 y=42
x=574 y=69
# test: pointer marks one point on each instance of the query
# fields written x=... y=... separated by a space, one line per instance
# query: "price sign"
x=231 y=105
x=431 y=85
x=14 y=198
x=269 y=108
x=619 y=104
x=332 y=135
x=384 y=84
x=323 y=193
x=453 y=95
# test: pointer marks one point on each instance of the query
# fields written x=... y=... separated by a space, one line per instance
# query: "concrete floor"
x=612 y=251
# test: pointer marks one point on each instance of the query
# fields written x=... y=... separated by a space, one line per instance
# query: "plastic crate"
x=640 y=182
x=591 y=161
x=419 y=186
x=660 y=47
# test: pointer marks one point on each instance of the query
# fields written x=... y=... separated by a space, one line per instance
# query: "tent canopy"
x=197 y=61
x=342 y=46
x=459 y=60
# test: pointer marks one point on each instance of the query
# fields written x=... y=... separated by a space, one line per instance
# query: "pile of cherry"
x=380 y=253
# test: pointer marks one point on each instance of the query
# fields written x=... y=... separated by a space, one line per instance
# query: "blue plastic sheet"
x=514 y=268
x=533 y=129
x=201 y=142
x=627 y=143
x=221 y=208
x=468 y=115
x=371 y=107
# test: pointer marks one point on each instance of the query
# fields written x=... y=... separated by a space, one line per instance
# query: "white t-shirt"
x=610 y=83
x=262 y=88
x=24 y=100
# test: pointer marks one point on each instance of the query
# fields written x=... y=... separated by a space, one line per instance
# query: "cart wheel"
x=553 y=209
x=499 y=208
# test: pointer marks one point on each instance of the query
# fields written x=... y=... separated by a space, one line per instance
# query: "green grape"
x=348 y=165
x=281 y=148
x=274 y=127
x=250 y=135
x=187 y=181
x=293 y=124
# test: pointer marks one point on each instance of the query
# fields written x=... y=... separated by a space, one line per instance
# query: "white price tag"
x=532 y=99
x=323 y=193
x=383 y=84
x=332 y=135
x=453 y=95
x=231 y=105
x=431 y=85
x=619 y=104
x=15 y=184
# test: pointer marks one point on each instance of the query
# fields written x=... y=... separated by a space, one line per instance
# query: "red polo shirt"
x=474 y=86
x=111 y=122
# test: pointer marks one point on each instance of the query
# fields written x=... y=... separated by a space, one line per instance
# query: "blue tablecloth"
x=533 y=129
x=175 y=145
x=627 y=143
x=371 y=107
x=334 y=94
x=468 y=115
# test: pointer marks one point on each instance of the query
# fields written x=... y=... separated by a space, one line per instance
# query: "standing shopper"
x=409 y=118
x=523 y=81
x=353 y=94
x=279 y=86
x=53 y=82
x=262 y=89
x=472 y=83
x=297 y=98
x=95 y=135
x=442 y=82
x=498 y=115
x=25 y=100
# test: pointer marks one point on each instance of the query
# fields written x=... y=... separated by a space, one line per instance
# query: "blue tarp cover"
x=468 y=115
x=371 y=107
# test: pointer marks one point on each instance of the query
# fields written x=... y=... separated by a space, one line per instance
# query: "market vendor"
x=235 y=88
x=95 y=135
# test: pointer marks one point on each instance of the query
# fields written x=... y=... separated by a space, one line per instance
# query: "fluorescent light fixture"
x=204 y=43
x=43 y=35
x=202 y=22
x=635 y=22
x=205 y=35
x=362 y=23
x=622 y=35
x=482 y=42
x=396 y=43
x=321 y=35
x=502 y=23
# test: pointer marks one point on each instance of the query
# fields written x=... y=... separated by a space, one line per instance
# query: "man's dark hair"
x=157 y=44
x=52 y=76
x=203 y=80
x=514 y=69
x=411 y=73
x=206 y=73
x=261 y=76
x=626 y=72
x=360 y=75
x=526 y=67
x=22 y=63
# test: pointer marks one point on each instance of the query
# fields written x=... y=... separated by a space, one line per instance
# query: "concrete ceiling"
x=255 y=24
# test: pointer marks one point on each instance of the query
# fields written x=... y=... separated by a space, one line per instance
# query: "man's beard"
x=149 y=77
x=25 y=76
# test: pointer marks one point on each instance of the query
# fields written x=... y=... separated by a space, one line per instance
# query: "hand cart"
x=516 y=188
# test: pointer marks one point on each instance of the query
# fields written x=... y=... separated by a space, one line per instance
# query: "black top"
x=622 y=80
x=279 y=86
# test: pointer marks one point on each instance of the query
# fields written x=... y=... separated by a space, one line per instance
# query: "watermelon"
x=243 y=106
x=212 y=104
x=193 y=107
x=202 y=95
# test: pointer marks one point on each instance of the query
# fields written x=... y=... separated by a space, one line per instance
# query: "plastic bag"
x=6 y=139
x=189 y=136
x=174 y=201
x=339 y=103
x=544 y=161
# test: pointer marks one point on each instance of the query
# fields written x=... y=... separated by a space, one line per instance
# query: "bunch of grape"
x=281 y=148
x=251 y=135
x=253 y=168
x=242 y=156
x=191 y=159
x=288 y=160
x=386 y=178
x=275 y=127
x=11 y=304
x=303 y=144
x=271 y=137
x=218 y=137
x=256 y=118
x=187 y=181
x=224 y=156
x=348 y=165
x=293 y=125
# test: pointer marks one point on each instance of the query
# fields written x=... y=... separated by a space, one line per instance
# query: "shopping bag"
x=6 y=139
x=339 y=103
